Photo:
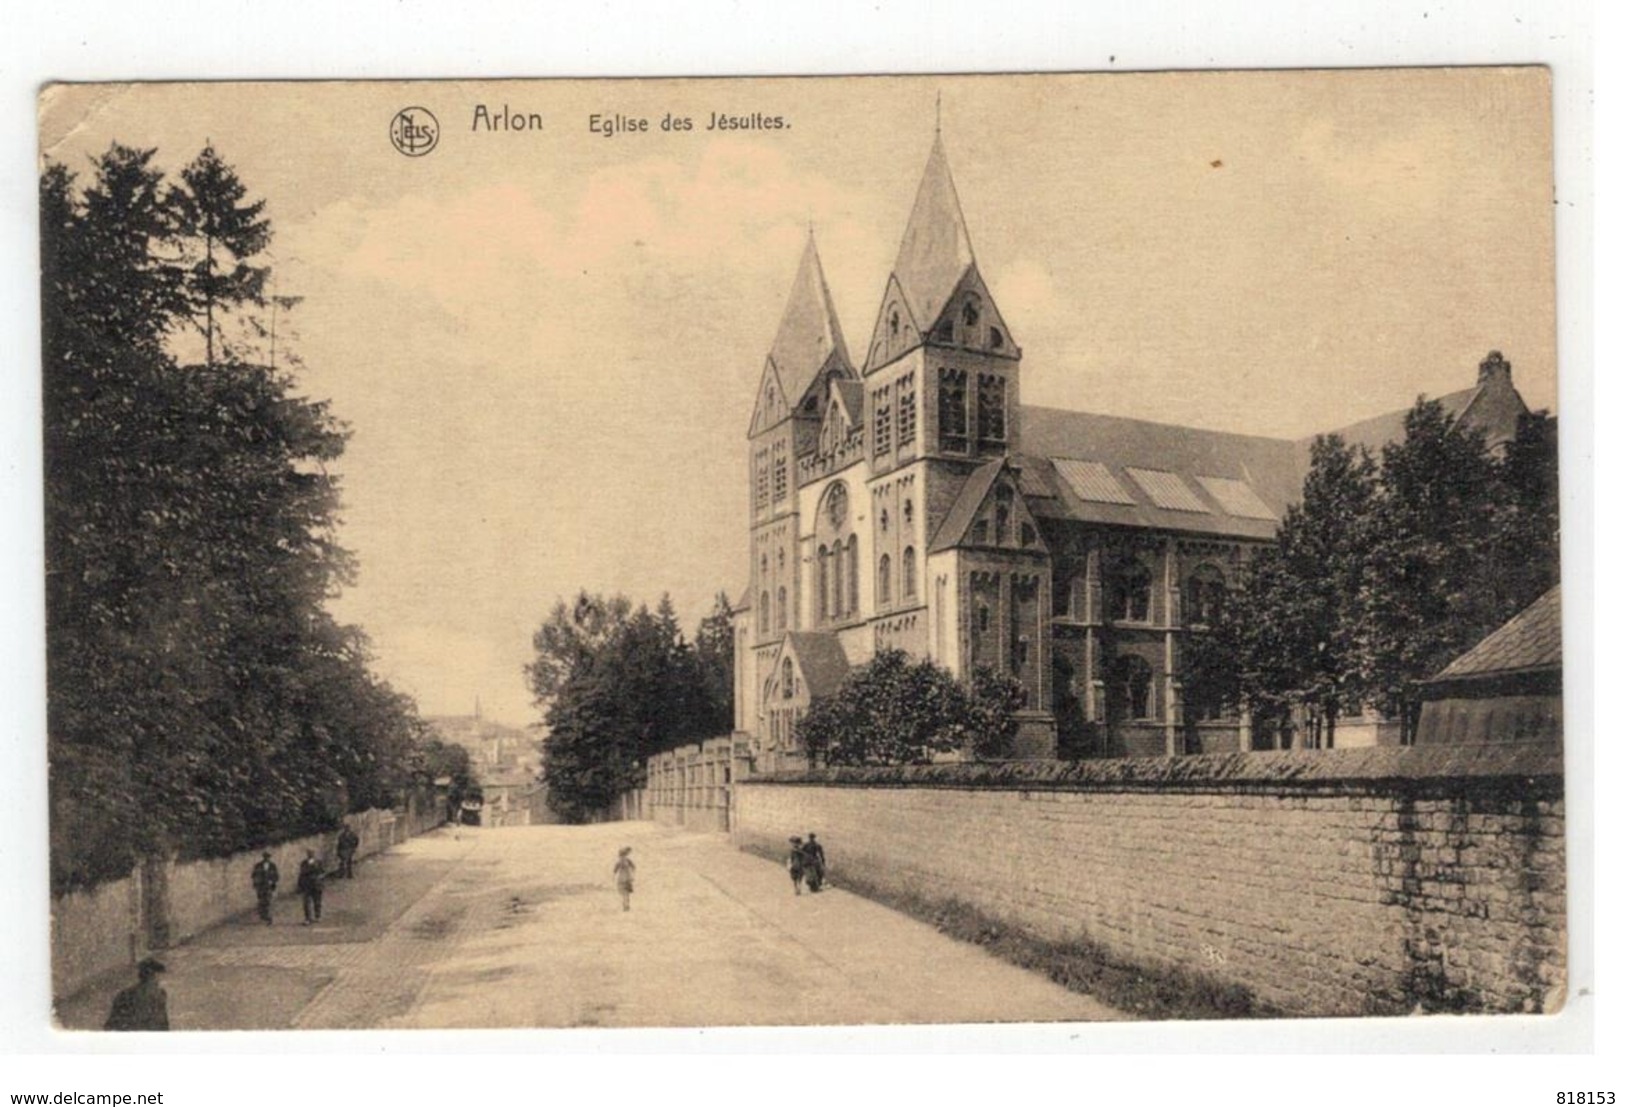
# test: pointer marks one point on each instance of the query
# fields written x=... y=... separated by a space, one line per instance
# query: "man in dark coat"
x=814 y=853
x=310 y=886
x=142 y=1006
x=265 y=879
x=349 y=842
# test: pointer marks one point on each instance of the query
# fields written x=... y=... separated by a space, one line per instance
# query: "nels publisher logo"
x=414 y=131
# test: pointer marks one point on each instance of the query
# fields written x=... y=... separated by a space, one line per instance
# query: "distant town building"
x=491 y=746
x=1508 y=688
x=909 y=499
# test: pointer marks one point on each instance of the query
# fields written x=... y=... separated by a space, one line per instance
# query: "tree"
x=1524 y=558
x=714 y=661
x=1296 y=627
x=592 y=755
x=1426 y=595
x=891 y=711
x=991 y=713
x=200 y=697
x=571 y=634
x=223 y=232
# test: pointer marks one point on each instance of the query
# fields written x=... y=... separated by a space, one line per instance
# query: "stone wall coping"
x=1534 y=766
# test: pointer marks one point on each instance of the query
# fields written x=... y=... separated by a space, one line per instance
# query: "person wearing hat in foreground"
x=265 y=879
x=144 y=1005
x=311 y=877
x=623 y=877
x=797 y=862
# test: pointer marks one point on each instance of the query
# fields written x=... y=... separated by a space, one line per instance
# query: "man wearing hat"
x=265 y=879
x=144 y=1005
x=311 y=878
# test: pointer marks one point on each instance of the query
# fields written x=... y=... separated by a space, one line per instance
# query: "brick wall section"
x=1325 y=882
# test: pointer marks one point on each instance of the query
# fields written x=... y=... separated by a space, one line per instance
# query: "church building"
x=906 y=498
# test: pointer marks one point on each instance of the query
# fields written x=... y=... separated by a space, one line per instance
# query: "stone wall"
x=690 y=786
x=108 y=928
x=1325 y=882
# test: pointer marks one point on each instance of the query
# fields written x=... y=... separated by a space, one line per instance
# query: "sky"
x=547 y=343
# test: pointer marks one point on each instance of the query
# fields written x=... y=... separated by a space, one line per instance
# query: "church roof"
x=935 y=252
x=1532 y=639
x=822 y=660
x=809 y=333
x=852 y=397
x=963 y=512
x=1129 y=472
x=1492 y=406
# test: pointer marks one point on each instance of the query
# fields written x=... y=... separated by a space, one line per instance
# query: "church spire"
x=936 y=250
x=935 y=270
x=809 y=332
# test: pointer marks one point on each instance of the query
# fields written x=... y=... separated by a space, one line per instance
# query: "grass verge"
x=1080 y=965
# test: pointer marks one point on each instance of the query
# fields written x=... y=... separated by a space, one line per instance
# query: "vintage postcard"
x=785 y=552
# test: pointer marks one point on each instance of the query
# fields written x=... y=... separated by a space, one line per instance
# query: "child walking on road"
x=623 y=877
x=797 y=862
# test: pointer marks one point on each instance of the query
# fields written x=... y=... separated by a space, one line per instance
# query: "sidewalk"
x=244 y=975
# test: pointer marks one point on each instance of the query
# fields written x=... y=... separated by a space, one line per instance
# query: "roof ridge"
x=1041 y=408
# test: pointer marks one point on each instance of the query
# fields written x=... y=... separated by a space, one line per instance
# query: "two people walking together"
x=311 y=880
x=806 y=863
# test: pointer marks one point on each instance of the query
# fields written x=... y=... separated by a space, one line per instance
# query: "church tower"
x=808 y=353
x=942 y=380
x=939 y=322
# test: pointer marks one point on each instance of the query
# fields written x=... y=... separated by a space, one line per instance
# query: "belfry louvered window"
x=990 y=407
x=953 y=419
x=908 y=414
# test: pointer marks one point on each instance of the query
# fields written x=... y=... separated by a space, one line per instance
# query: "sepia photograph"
x=782 y=552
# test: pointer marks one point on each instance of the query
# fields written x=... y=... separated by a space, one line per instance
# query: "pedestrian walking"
x=797 y=861
x=349 y=842
x=265 y=878
x=142 y=1006
x=814 y=854
x=311 y=879
x=623 y=877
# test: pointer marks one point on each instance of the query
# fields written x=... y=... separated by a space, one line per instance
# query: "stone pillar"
x=1171 y=707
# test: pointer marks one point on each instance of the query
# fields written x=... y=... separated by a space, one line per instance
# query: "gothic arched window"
x=762 y=615
x=835 y=591
x=823 y=582
x=788 y=682
x=783 y=613
x=883 y=583
x=1131 y=592
x=1204 y=595
x=1133 y=687
x=852 y=574
x=909 y=582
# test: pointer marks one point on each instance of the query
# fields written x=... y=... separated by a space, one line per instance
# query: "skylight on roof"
x=1167 y=490
x=1091 y=480
x=1237 y=497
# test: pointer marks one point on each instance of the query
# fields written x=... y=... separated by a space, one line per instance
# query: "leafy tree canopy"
x=898 y=710
x=200 y=697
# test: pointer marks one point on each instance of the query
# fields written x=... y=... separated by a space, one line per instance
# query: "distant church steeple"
x=808 y=341
x=935 y=268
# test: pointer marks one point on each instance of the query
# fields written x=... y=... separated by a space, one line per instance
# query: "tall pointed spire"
x=935 y=252
x=809 y=333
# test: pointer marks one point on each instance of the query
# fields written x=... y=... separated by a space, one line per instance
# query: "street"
x=521 y=927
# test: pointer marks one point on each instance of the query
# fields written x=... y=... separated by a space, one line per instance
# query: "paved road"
x=521 y=927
